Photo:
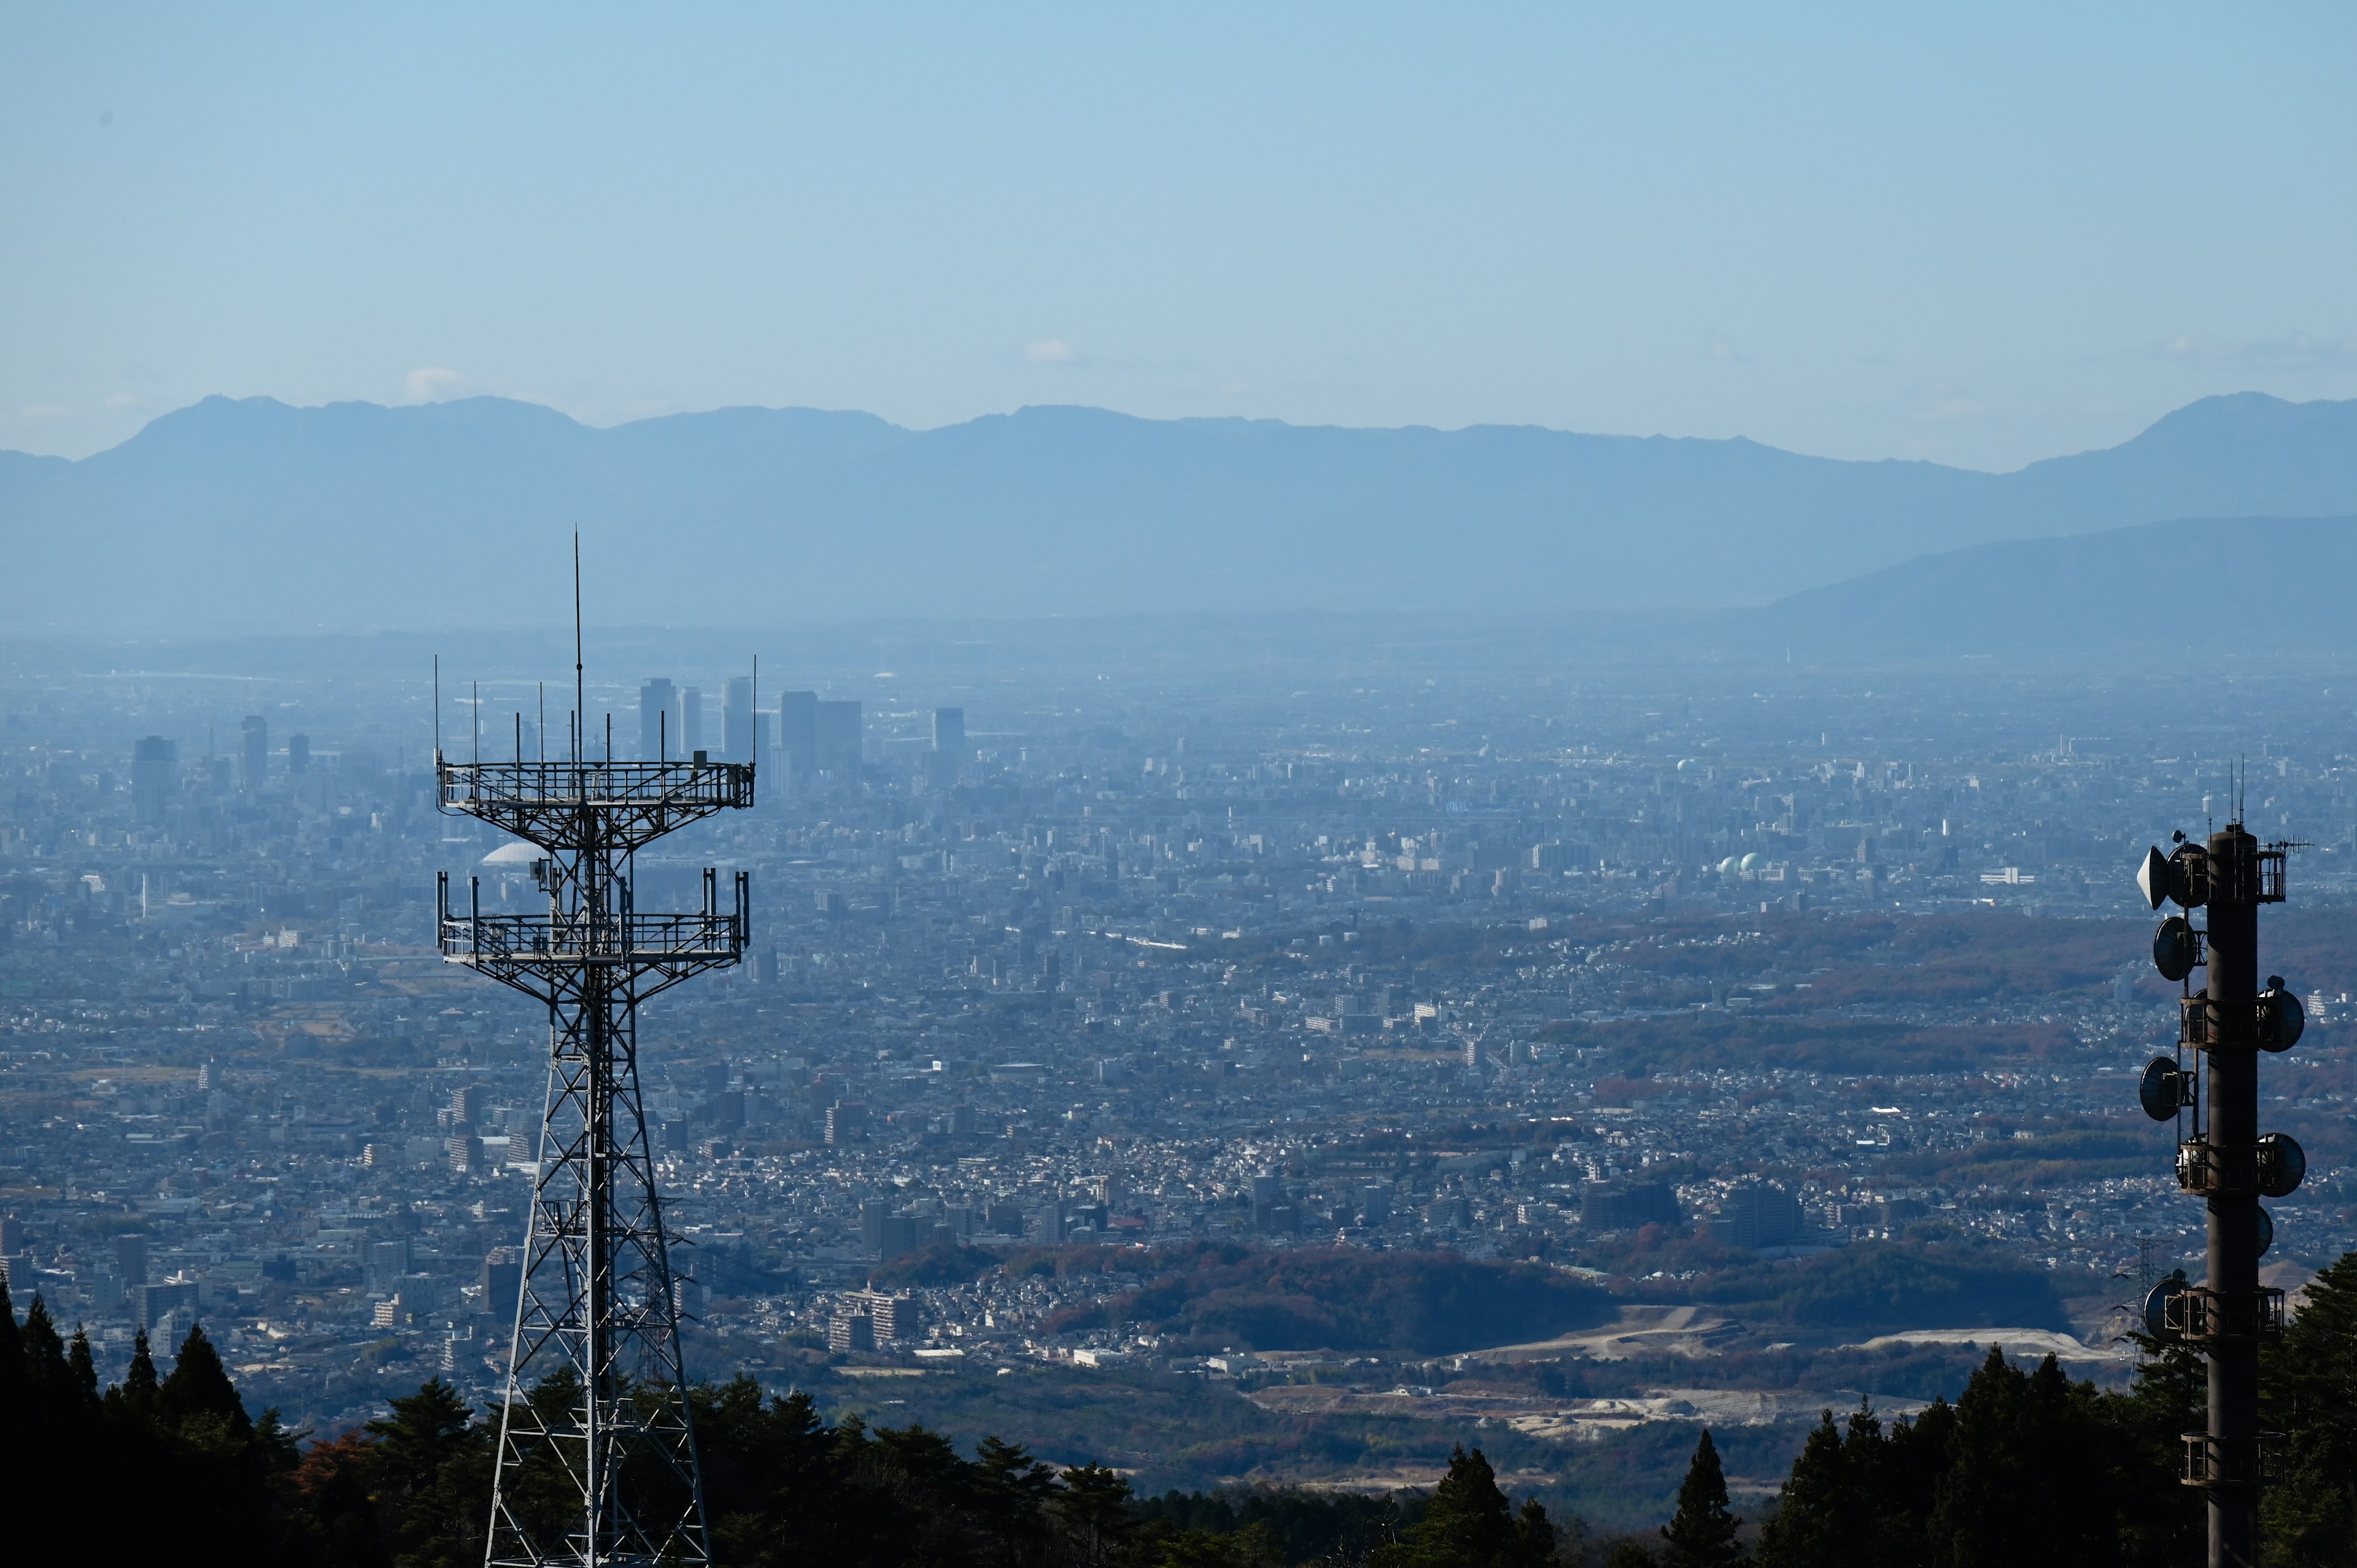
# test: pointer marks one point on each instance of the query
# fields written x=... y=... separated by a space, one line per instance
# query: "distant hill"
x=1339 y=1298
x=249 y=515
x=2119 y=590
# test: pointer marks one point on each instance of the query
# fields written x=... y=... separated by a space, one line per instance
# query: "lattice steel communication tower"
x=596 y=1451
x=2222 y=1158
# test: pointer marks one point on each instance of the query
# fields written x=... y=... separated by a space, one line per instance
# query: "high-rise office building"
x=151 y=1304
x=949 y=746
x=838 y=737
x=299 y=754
x=691 y=721
x=847 y=1123
x=254 y=752
x=798 y=732
x=131 y=1257
x=659 y=732
x=948 y=729
x=500 y=1279
x=155 y=776
x=737 y=720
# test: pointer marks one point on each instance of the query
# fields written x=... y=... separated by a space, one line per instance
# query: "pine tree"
x=46 y=1373
x=1468 y=1524
x=82 y=1368
x=1013 y=1491
x=12 y=1352
x=1809 y=1526
x=1535 y=1536
x=428 y=1469
x=2309 y=1382
x=1701 y=1534
x=200 y=1388
x=2035 y=1472
x=427 y=1431
x=1094 y=1508
x=137 y=1394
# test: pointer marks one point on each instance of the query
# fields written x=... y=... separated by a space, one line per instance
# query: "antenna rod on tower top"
x=580 y=704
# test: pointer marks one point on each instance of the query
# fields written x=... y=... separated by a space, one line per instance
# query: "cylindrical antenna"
x=475 y=720
x=580 y=702
x=540 y=735
x=438 y=717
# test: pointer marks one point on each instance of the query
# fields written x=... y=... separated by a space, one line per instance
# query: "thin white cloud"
x=1052 y=351
x=2293 y=351
x=429 y=383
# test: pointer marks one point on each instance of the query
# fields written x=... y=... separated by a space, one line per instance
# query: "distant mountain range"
x=2258 y=584
x=233 y=515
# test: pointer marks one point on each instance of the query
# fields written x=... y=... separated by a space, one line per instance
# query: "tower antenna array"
x=2222 y=1158
x=596 y=1458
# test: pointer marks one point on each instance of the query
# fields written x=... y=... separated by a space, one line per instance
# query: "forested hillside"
x=2026 y=1467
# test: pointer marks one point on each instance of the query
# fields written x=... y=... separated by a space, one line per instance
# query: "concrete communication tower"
x=2222 y=1156
x=596 y=1453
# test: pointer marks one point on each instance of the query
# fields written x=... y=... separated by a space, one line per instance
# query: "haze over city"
x=1350 y=786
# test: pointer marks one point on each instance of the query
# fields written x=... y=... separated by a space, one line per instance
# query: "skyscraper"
x=254 y=752
x=298 y=752
x=691 y=722
x=798 y=732
x=659 y=734
x=949 y=746
x=155 y=776
x=838 y=737
x=737 y=720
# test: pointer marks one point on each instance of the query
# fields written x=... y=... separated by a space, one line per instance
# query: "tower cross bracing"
x=597 y=1459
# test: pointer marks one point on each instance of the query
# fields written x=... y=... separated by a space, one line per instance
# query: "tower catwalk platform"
x=596 y=1449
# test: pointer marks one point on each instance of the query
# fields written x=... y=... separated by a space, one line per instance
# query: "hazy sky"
x=1982 y=234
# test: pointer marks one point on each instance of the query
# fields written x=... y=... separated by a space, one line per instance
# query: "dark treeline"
x=2026 y=1469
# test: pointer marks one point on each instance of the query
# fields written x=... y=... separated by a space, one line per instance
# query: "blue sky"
x=1980 y=234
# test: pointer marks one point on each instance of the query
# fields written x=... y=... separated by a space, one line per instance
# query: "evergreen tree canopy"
x=139 y=1389
x=1469 y=1523
x=2026 y=1468
x=44 y=1352
x=83 y=1370
x=1701 y=1534
x=2028 y=1479
x=199 y=1387
x=2309 y=1386
x=12 y=1346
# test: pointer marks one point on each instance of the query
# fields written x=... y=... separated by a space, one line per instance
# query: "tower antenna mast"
x=596 y=1461
x=2222 y=1158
